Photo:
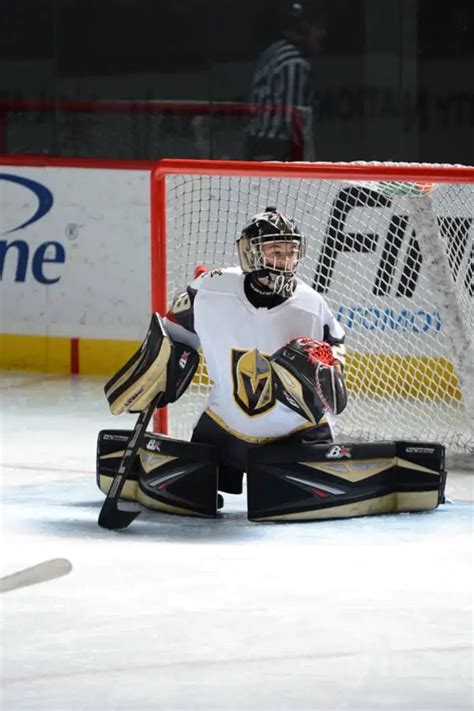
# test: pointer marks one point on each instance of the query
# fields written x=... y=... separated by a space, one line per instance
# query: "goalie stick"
x=113 y=516
x=47 y=570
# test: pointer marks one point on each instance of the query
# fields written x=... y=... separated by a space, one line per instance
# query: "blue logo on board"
x=21 y=256
x=43 y=194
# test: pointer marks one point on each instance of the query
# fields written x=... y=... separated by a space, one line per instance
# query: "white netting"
x=409 y=369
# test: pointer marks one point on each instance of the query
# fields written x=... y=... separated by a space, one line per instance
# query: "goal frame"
x=354 y=171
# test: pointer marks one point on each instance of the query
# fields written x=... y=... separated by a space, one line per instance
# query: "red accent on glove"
x=317 y=351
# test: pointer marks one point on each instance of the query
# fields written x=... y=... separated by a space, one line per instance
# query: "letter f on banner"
x=337 y=240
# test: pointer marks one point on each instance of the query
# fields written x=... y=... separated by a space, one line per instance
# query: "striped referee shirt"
x=280 y=83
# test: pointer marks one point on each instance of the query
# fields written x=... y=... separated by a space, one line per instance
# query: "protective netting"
x=144 y=129
x=400 y=283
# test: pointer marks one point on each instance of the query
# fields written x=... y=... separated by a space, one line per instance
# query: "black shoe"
x=220 y=501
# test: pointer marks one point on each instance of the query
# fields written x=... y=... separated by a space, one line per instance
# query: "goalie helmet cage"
x=390 y=247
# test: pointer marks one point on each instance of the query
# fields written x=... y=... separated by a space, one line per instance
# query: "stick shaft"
x=110 y=515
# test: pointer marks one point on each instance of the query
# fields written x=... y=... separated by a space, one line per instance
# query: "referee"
x=282 y=83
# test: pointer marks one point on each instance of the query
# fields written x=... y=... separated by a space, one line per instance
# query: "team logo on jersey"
x=252 y=379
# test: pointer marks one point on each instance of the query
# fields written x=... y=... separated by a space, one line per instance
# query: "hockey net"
x=390 y=247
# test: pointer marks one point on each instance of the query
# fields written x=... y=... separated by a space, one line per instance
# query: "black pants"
x=232 y=452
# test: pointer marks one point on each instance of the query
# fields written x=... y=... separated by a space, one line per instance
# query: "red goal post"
x=390 y=246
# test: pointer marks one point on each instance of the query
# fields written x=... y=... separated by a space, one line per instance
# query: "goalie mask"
x=271 y=247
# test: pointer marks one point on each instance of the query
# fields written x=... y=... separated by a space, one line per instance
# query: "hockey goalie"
x=275 y=356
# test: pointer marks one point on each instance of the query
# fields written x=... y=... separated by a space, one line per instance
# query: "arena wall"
x=75 y=263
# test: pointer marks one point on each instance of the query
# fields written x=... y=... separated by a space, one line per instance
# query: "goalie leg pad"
x=304 y=483
x=159 y=366
x=168 y=475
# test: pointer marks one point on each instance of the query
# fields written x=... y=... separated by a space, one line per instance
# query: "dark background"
x=394 y=80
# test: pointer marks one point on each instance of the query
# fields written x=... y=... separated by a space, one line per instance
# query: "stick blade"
x=114 y=518
x=40 y=573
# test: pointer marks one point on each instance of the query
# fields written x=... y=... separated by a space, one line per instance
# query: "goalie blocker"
x=159 y=367
x=304 y=483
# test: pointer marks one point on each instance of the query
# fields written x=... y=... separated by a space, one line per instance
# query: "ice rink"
x=176 y=613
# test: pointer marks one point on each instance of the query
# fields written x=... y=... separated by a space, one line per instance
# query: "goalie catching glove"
x=309 y=379
x=159 y=367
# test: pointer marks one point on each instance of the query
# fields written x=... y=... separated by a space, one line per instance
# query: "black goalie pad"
x=168 y=475
x=159 y=366
x=305 y=483
x=308 y=379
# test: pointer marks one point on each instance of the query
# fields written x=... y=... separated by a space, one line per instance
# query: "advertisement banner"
x=75 y=252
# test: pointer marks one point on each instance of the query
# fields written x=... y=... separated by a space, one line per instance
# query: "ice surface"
x=176 y=613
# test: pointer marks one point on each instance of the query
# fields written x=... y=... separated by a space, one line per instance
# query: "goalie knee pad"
x=160 y=366
x=299 y=483
x=167 y=475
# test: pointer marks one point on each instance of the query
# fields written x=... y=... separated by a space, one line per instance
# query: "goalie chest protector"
x=237 y=340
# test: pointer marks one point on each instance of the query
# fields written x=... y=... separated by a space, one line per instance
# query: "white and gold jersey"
x=236 y=339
